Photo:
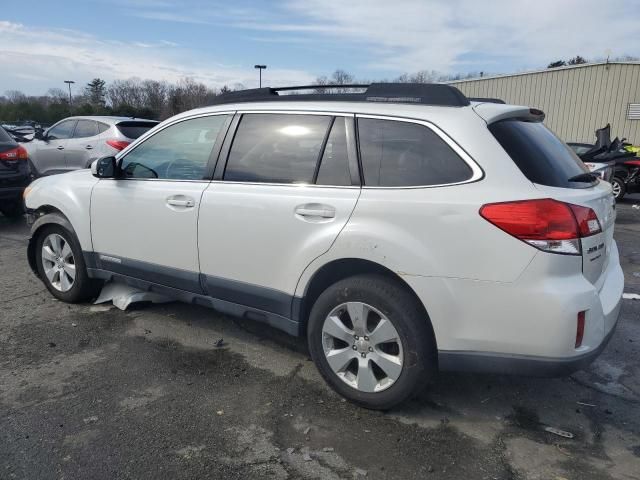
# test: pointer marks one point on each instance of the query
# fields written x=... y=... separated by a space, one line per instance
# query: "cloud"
x=446 y=35
x=41 y=59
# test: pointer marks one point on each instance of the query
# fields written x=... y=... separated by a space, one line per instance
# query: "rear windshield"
x=541 y=156
x=135 y=129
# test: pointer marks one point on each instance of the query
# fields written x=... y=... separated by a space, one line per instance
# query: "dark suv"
x=14 y=175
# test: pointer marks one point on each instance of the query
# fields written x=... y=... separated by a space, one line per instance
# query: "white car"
x=403 y=230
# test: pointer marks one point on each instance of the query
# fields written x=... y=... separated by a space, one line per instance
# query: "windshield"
x=541 y=156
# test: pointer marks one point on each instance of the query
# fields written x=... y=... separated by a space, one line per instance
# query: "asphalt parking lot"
x=94 y=392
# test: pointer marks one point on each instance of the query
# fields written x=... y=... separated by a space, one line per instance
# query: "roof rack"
x=415 y=93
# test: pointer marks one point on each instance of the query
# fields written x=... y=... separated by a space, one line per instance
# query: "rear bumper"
x=525 y=327
x=511 y=364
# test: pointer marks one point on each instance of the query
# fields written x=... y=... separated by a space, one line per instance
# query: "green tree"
x=96 y=91
x=557 y=63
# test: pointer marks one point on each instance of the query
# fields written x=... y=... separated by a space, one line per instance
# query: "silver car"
x=75 y=142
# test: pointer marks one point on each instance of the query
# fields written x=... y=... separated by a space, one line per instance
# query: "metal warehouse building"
x=576 y=99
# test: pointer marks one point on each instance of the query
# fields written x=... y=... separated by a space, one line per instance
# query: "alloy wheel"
x=362 y=347
x=58 y=262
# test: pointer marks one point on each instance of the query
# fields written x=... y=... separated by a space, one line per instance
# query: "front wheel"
x=61 y=265
x=372 y=341
x=619 y=188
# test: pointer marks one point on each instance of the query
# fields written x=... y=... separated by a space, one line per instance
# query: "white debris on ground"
x=123 y=295
x=631 y=296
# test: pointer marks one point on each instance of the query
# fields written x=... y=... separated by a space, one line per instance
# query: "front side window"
x=399 y=154
x=179 y=152
x=85 y=128
x=276 y=148
x=62 y=130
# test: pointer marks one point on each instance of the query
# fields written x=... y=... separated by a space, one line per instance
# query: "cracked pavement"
x=94 y=392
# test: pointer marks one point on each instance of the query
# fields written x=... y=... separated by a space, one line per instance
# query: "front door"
x=286 y=192
x=144 y=225
x=50 y=153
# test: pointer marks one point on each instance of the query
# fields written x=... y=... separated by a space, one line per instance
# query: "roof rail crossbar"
x=416 y=93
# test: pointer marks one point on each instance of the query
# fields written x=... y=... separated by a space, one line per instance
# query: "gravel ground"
x=93 y=392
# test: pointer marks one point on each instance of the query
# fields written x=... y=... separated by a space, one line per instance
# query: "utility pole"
x=69 y=82
x=260 y=68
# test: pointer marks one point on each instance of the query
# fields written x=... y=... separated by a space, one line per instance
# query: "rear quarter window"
x=541 y=156
x=135 y=129
x=396 y=153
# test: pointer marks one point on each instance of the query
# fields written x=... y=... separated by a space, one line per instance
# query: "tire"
x=618 y=186
x=82 y=288
x=414 y=343
x=12 y=209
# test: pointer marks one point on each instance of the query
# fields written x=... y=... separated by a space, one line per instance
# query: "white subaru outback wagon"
x=404 y=229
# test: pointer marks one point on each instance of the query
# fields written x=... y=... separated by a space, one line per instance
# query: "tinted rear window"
x=135 y=129
x=541 y=156
x=398 y=154
x=4 y=136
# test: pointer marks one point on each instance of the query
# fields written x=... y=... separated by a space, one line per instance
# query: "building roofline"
x=542 y=70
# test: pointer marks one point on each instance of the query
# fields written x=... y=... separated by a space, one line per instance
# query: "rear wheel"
x=371 y=341
x=61 y=265
x=619 y=188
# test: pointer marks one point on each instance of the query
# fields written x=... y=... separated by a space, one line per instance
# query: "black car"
x=14 y=175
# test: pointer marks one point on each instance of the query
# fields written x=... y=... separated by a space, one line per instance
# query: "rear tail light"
x=18 y=153
x=546 y=224
x=118 y=144
x=580 y=329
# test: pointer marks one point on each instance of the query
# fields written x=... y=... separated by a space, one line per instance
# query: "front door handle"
x=316 y=210
x=89 y=147
x=60 y=147
x=181 y=201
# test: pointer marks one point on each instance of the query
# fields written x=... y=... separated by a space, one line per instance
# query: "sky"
x=43 y=43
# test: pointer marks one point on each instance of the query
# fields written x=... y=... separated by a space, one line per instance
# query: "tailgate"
x=595 y=248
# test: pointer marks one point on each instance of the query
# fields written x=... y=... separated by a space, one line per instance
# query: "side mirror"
x=39 y=134
x=104 y=167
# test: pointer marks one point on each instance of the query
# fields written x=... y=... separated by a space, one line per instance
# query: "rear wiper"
x=584 y=177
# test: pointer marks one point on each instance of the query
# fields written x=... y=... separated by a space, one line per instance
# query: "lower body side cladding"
x=527 y=326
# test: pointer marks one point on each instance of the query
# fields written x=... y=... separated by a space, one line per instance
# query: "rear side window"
x=400 y=154
x=102 y=127
x=4 y=136
x=135 y=129
x=334 y=168
x=85 y=128
x=276 y=148
x=541 y=156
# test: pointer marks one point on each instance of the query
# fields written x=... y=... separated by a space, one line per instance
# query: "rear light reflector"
x=580 y=329
x=18 y=153
x=118 y=144
x=546 y=224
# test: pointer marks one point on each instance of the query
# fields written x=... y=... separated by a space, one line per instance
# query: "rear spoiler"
x=494 y=112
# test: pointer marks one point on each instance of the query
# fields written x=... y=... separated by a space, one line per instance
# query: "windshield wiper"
x=584 y=177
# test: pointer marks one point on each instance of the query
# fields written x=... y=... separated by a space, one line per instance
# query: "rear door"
x=289 y=187
x=50 y=155
x=79 y=149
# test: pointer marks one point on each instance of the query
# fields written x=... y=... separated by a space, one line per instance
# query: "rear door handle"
x=89 y=147
x=60 y=147
x=315 y=210
x=181 y=201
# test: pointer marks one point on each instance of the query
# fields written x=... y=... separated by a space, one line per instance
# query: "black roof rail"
x=486 y=100
x=417 y=93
